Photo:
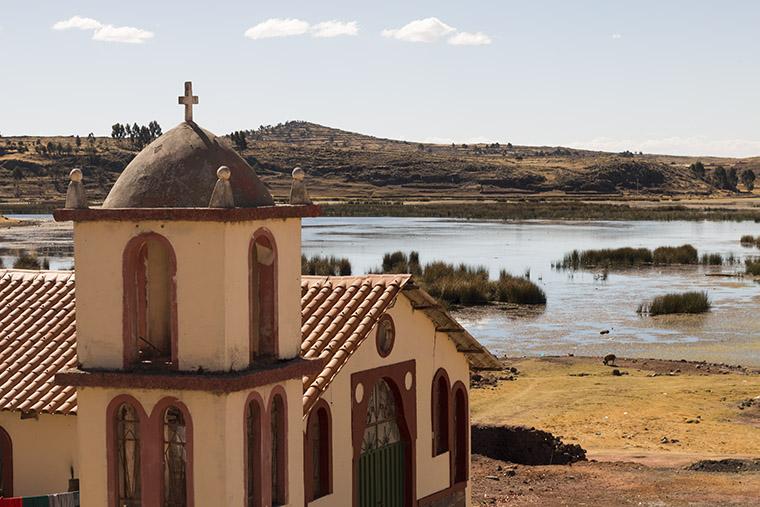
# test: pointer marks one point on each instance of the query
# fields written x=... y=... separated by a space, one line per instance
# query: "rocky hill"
x=346 y=165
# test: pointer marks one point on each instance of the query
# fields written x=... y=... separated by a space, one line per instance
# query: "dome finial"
x=298 y=193
x=222 y=196
x=75 y=197
x=188 y=100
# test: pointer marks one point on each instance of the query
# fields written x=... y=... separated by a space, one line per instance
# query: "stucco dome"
x=178 y=170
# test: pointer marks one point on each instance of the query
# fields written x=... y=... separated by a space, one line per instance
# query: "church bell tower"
x=188 y=324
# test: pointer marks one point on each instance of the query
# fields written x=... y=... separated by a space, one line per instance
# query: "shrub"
x=26 y=260
x=685 y=254
x=687 y=302
x=749 y=240
x=399 y=262
x=325 y=266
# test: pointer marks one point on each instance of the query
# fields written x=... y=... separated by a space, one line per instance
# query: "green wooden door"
x=382 y=466
x=381 y=476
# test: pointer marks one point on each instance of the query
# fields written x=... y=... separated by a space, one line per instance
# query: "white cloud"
x=335 y=28
x=420 y=30
x=690 y=146
x=617 y=36
x=78 y=22
x=277 y=27
x=105 y=33
x=470 y=39
x=126 y=34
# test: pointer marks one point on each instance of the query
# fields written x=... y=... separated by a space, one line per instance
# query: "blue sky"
x=658 y=76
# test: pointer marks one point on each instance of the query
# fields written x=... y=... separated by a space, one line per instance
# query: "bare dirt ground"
x=497 y=483
x=641 y=429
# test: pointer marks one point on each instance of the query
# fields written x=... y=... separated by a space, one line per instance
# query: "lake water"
x=580 y=304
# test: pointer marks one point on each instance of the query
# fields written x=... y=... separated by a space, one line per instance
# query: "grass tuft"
x=325 y=266
x=687 y=302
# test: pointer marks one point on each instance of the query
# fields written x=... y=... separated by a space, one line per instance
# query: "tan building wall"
x=218 y=450
x=213 y=317
x=416 y=339
x=44 y=451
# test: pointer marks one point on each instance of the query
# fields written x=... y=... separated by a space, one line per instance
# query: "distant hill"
x=347 y=165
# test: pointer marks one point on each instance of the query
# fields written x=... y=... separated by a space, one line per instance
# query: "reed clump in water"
x=752 y=267
x=325 y=266
x=749 y=240
x=686 y=302
x=713 y=259
x=668 y=255
x=26 y=260
x=463 y=284
x=628 y=257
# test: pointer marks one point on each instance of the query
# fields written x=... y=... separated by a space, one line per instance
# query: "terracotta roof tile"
x=37 y=331
x=36 y=340
x=338 y=314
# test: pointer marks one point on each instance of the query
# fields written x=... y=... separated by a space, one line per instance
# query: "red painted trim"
x=278 y=391
x=461 y=442
x=435 y=409
x=395 y=375
x=268 y=287
x=6 y=455
x=263 y=440
x=222 y=382
x=111 y=445
x=131 y=267
x=186 y=214
x=325 y=461
x=155 y=495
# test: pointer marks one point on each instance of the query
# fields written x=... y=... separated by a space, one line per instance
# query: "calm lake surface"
x=580 y=304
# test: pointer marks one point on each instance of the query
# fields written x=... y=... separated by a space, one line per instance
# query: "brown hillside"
x=343 y=164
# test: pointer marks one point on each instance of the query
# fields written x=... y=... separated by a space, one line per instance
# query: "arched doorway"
x=6 y=464
x=384 y=458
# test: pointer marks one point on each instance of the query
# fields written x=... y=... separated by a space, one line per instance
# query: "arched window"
x=150 y=302
x=263 y=295
x=279 y=451
x=175 y=460
x=440 y=412
x=253 y=462
x=318 y=451
x=460 y=459
x=127 y=436
x=6 y=464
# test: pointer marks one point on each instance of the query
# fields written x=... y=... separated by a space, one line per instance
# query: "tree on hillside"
x=91 y=139
x=118 y=131
x=719 y=177
x=733 y=179
x=748 y=179
x=155 y=129
x=698 y=168
x=239 y=140
x=78 y=141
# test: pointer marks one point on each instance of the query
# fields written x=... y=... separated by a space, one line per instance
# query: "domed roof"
x=178 y=170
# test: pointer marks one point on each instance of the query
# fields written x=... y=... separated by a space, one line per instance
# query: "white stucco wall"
x=416 y=339
x=212 y=289
x=44 y=451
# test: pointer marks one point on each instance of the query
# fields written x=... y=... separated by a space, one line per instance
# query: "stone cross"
x=188 y=99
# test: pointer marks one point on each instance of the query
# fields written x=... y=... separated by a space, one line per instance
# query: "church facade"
x=186 y=361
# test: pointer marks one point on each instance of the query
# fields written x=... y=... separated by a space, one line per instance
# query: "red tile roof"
x=339 y=312
x=37 y=331
x=36 y=340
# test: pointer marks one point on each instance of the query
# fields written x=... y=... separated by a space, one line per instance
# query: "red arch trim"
x=435 y=409
x=129 y=265
x=111 y=442
x=277 y=391
x=320 y=405
x=6 y=456
x=253 y=299
x=264 y=443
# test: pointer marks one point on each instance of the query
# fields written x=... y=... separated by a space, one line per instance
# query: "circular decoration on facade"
x=386 y=335
x=408 y=380
x=359 y=392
